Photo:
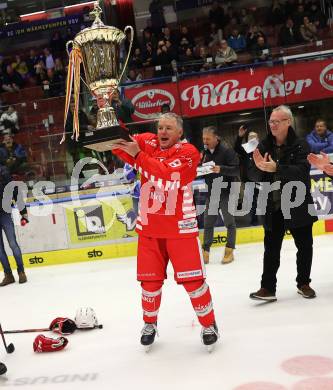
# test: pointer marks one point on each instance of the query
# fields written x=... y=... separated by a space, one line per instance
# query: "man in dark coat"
x=281 y=158
x=226 y=170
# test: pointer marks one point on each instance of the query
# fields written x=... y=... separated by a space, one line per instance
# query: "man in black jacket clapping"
x=281 y=158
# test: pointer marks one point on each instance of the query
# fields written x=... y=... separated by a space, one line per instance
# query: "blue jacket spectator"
x=320 y=139
x=12 y=155
x=237 y=41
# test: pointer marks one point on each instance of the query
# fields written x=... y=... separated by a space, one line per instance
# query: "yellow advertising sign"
x=105 y=220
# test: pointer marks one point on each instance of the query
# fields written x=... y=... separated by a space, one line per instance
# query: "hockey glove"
x=48 y=344
x=63 y=326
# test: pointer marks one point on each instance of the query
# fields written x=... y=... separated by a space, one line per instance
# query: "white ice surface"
x=255 y=337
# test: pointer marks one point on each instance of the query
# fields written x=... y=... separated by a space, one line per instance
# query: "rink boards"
x=101 y=226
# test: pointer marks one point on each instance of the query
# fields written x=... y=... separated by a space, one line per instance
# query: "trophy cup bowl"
x=99 y=49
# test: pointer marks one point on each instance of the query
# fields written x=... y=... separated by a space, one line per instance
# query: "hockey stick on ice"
x=10 y=347
x=43 y=330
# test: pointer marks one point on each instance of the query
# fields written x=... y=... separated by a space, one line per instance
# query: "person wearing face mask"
x=225 y=170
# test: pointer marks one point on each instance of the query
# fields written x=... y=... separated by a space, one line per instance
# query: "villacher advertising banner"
x=250 y=88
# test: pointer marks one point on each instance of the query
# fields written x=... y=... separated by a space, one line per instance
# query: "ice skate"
x=148 y=334
x=209 y=336
x=3 y=369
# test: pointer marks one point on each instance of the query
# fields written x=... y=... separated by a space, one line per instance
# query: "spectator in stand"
x=132 y=76
x=136 y=61
x=162 y=59
x=237 y=41
x=148 y=37
x=9 y=119
x=32 y=62
x=320 y=139
x=12 y=81
x=49 y=61
x=69 y=35
x=317 y=17
x=215 y=35
x=308 y=30
x=187 y=59
x=148 y=55
x=165 y=108
x=185 y=37
x=157 y=16
x=167 y=35
x=232 y=25
x=123 y=108
x=216 y=15
x=246 y=19
x=203 y=59
x=298 y=16
x=225 y=55
x=289 y=34
x=20 y=66
x=13 y=154
x=59 y=67
x=57 y=44
x=252 y=36
x=276 y=15
x=55 y=83
x=172 y=52
x=261 y=51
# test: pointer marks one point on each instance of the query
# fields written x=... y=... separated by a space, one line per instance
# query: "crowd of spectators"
x=43 y=68
x=229 y=33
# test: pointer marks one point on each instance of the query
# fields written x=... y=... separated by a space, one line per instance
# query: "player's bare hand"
x=130 y=147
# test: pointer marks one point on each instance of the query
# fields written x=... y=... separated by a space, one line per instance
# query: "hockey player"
x=167 y=224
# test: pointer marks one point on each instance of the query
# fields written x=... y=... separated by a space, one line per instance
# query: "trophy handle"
x=129 y=49
x=67 y=46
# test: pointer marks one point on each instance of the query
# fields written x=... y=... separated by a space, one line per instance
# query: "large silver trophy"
x=98 y=49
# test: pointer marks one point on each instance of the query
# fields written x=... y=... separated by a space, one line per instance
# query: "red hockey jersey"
x=166 y=207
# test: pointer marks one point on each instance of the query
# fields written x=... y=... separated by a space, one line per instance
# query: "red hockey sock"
x=151 y=299
x=201 y=300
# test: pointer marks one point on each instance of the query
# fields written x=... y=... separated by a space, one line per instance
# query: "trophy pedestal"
x=102 y=140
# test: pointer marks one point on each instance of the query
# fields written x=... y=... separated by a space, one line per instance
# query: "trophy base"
x=103 y=139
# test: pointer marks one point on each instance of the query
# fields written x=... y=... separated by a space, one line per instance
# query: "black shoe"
x=148 y=333
x=209 y=335
x=3 y=369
